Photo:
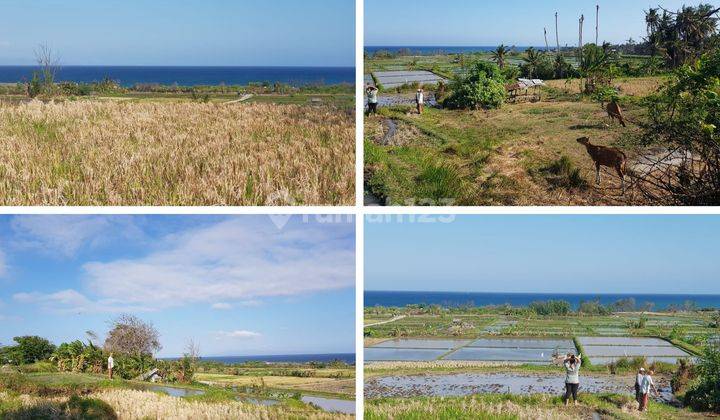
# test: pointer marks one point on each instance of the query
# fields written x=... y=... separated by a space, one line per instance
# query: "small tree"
x=482 y=87
x=34 y=348
x=49 y=63
x=685 y=117
x=130 y=335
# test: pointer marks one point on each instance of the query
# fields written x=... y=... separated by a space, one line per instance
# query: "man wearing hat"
x=420 y=100
x=638 y=383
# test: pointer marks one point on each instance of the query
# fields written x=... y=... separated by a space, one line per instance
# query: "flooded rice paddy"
x=528 y=350
x=600 y=350
x=392 y=79
x=464 y=384
x=331 y=405
x=604 y=350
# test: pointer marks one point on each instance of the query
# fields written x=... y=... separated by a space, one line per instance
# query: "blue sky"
x=181 y=32
x=236 y=285
x=513 y=22
x=546 y=254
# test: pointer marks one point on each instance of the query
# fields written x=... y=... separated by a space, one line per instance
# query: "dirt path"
x=242 y=99
x=397 y=318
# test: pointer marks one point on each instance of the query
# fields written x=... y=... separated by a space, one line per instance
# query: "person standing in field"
x=111 y=365
x=572 y=377
x=638 y=384
x=645 y=387
x=372 y=97
x=420 y=100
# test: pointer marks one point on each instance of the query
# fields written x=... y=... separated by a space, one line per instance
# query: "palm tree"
x=652 y=19
x=532 y=60
x=499 y=55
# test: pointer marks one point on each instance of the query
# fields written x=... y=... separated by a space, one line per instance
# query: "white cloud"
x=237 y=334
x=64 y=235
x=72 y=301
x=229 y=261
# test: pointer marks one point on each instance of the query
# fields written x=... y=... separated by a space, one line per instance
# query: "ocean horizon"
x=455 y=299
x=189 y=75
x=348 y=358
x=443 y=49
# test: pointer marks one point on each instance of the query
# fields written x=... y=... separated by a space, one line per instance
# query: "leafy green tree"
x=685 y=117
x=34 y=348
x=482 y=87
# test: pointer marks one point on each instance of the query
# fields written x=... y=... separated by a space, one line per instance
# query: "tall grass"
x=175 y=153
x=132 y=405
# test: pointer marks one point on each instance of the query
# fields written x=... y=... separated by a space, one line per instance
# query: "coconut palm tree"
x=532 y=60
x=500 y=54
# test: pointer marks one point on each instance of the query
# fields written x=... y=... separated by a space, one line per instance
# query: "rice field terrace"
x=163 y=149
x=83 y=395
x=506 y=362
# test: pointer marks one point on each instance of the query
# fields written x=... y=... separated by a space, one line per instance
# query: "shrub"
x=704 y=393
x=551 y=307
x=685 y=116
x=483 y=87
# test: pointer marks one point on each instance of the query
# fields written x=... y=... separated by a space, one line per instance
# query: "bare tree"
x=49 y=63
x=130 y=335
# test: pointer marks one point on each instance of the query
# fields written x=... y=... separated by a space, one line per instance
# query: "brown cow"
x=614 y=112
x=606 y=156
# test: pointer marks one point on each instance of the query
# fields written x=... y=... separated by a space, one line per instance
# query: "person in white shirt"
x=420 y=100
x=572 y=377
x=645 y=387
x=638 y=384
x=110 y=365
x=372 y=97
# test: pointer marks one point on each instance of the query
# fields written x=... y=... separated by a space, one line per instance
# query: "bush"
x=482 y=88
x=704 y=393
x=685 y=116
x=551 y=307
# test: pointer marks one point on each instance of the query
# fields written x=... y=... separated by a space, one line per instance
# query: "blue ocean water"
x=287 y=358
x=190 y=76
x=428 y=50
x=451 y=299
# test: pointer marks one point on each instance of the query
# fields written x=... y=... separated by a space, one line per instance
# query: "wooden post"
x=547 y=46
x=557 y=34
x=597 y=24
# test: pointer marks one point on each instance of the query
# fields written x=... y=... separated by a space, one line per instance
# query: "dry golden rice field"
x=136 y=405
x=181 y=153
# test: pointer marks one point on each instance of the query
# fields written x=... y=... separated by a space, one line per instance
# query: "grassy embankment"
x=509 y=407
x=522 y=154
x=63 y=395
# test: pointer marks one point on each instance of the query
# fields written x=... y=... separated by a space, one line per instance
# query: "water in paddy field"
x=463 y=384
x=453 y=299
x=189 y=76
x=331 y=405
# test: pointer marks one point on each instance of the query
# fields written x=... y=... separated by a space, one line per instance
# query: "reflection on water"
x=331 y=405
x=174 y=392
x=499 y=383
